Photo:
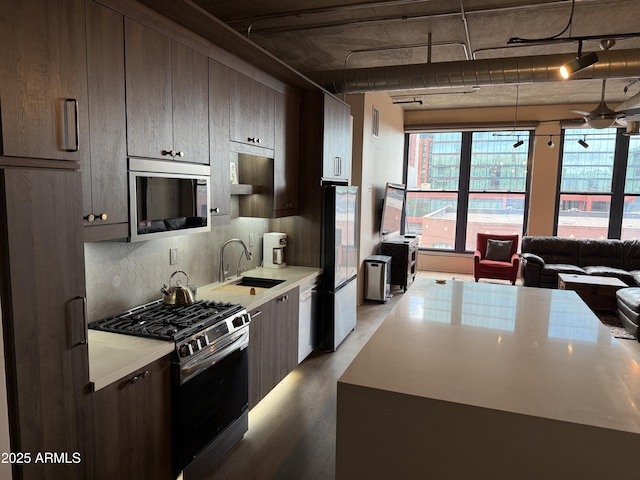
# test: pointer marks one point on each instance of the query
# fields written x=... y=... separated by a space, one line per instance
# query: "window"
x=462 y=183
x=599 y=190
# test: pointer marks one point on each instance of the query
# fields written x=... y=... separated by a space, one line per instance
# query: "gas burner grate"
x=167 y=322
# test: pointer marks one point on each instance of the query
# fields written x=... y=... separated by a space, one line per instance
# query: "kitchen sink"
x=248 y=286
x=258 y=282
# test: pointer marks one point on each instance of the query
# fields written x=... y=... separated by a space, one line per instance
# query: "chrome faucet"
x=225 y=271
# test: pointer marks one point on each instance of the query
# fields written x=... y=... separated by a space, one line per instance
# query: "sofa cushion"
x=631 y=255
x=603 y=271
x=549 y=273
x=552 y=249
x=606 y=252
x=499 y=250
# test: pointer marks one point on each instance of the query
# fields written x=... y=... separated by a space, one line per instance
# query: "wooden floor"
x=292 y=431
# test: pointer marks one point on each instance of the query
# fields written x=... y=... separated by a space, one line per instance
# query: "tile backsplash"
x=120 y=276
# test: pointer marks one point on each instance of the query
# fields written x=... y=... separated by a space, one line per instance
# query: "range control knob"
x=185 y=350
x=195 y=345
x=205 y=339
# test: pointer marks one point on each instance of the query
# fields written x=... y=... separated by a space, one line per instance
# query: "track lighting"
x=579 y=63
x=583 y=143
x=518 y=143
x=550 y=142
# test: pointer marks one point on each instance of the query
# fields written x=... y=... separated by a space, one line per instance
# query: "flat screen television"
x=392 y=210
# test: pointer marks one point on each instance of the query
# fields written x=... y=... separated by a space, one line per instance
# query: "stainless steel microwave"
x=167 y=199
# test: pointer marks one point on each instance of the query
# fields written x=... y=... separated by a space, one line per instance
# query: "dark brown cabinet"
x=286 y=155
x=336 y=142
x=42 y=287
x=133 y=425
x=167 y=88
x=404 y=254
x=43 y=79
x=273 y=343
x=252 y=111
x=104 y=176
x=219 y=145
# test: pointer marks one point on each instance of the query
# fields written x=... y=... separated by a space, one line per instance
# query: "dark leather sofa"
x=543 y=258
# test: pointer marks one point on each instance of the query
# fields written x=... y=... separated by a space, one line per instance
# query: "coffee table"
x=599 y=293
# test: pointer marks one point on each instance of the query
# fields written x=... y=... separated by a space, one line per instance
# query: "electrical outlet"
x=173 y=256
x=252 y=239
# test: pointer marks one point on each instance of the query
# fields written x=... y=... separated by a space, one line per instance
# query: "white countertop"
x=531 y=351
x=113 y=356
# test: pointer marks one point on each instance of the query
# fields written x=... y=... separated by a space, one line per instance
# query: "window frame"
x=618 y=179
x=464 y=189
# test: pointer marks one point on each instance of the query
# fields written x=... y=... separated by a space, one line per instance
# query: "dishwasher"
x=309 y=298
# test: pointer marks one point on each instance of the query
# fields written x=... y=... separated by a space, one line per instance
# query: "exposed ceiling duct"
x=631 y=108
x=494 y=71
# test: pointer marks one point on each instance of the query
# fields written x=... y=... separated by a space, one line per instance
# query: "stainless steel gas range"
x=210 y=374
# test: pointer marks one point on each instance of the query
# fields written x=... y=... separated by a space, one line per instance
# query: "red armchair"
x=502 y=263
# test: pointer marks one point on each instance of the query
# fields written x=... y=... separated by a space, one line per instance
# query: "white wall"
x=376 y=161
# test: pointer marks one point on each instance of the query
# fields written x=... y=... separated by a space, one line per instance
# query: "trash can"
x=377 y=286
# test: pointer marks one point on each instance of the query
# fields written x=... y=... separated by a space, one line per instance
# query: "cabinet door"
x=154 y=421
x=252 y=111
x=115 y=420
x=105 y=178
x=270 y=344
x=255 y=341
x=42 y=279
x=336 y=157
x=43 y=79
x=190 y=104
x=149 y=92
x=219 y=143
x=286 y=158
x=287 y=311
x=133 y=425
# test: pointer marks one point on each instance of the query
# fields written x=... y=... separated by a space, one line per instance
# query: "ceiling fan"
x=602 y=116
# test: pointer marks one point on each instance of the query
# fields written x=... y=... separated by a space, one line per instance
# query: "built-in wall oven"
x=210 y=384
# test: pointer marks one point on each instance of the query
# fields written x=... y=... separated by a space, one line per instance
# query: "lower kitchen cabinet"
x=273 y=344
x=133 y=425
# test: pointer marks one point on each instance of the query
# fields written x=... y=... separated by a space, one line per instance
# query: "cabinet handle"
x=168 y=152
x=142 y=376
x=283 y=298
x=66 y=123
x=257 y=314
x=145 y=374
x=180 y=154
x=134 y=380
x=337 y=168
x=102 y=216
x=215 y=210
x=90 y=218
x=85 y=326
x=258 y=140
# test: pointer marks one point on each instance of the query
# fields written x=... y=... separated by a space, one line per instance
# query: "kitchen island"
x=472 y=380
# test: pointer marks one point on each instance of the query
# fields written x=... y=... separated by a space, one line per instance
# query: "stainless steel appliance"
x=273 y=245
x=167 y=198
x=340 y=264
x=308 y=318
x=210 y=393
x=377 y=274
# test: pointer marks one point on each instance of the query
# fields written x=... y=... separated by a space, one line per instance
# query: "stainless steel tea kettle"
x=177 y=294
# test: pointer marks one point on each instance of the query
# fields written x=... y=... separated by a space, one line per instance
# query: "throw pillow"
x=499 y=250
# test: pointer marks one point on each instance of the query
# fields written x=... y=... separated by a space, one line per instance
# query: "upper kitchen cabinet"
x=336 y=143
x=104 y=176
x=167 y=88
x=252 y=111
x=219 y=144
x=286 y=155
x=43 y=81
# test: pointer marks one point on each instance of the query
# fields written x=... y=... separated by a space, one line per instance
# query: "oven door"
x=214 y=395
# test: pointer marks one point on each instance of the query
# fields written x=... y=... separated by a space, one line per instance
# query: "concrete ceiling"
x=320 y=35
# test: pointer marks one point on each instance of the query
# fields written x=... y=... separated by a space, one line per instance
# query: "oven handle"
x=195 y=366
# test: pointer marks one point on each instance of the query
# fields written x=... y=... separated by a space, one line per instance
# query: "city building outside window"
x=462 y=183
x=599 y=188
